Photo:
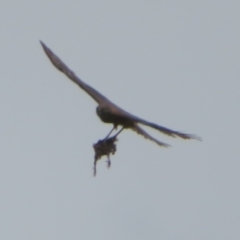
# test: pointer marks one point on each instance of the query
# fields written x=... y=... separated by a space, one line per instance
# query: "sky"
x=175 y=63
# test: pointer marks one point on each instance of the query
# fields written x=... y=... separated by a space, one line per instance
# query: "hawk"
x=109 y=112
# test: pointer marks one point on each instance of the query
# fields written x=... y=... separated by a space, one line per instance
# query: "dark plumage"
x=111 y=113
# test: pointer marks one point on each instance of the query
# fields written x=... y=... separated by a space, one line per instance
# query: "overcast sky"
x=175 y=63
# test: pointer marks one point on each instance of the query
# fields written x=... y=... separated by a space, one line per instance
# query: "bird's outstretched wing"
x=61 y=66
x=114 y=109
x=140 y=131
x=122 y=113
x=168 y=131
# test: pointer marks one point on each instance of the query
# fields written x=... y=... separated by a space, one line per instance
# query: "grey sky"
x=175 y=63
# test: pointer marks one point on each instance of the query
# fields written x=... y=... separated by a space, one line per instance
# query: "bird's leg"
x=109 y=133
x=118 y=132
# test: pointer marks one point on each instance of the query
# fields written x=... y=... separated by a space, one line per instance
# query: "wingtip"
x=164 y=145
x=187 y=136
x=193 y=136
x=47 y=50
x=198 y=138
x=43 y=44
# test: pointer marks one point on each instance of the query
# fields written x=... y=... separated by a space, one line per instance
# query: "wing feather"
x=61 y=66
x=140 y=131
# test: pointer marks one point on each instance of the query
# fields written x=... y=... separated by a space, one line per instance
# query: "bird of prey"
x=111 y=113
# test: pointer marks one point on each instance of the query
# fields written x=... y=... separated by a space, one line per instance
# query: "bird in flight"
x=111 y=113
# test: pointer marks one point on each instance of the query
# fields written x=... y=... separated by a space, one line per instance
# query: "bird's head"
x=99 y=111
x=104 y=114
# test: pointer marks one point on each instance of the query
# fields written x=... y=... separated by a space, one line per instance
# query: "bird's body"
x=108 y=117
x=108 y=112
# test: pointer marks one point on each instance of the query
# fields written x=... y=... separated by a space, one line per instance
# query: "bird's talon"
x=108 y=163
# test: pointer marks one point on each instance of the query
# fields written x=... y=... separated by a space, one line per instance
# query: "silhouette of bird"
x=111 y=113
